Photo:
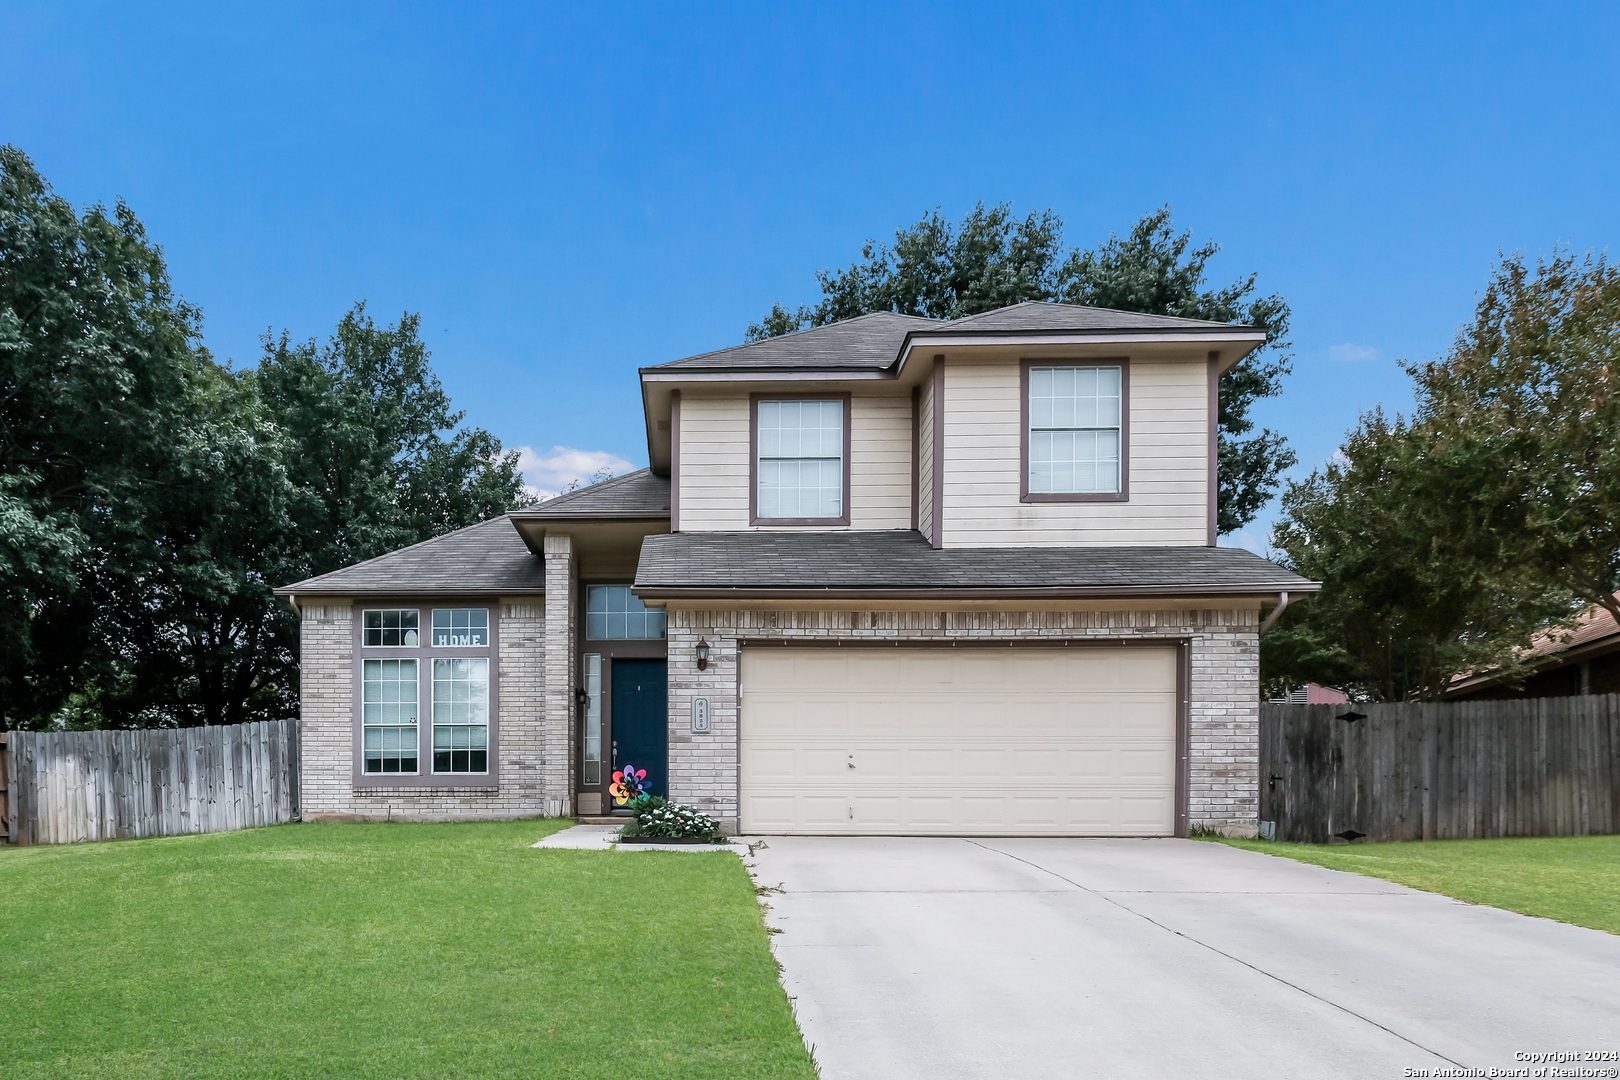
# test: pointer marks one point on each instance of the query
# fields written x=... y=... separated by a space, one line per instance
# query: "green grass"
x=385 y=951
x=1574 y=879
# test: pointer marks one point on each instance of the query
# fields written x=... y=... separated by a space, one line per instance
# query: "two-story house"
x=888 y=576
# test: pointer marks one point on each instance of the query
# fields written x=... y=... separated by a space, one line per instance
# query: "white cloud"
x=1352 y=354
x=548 y=474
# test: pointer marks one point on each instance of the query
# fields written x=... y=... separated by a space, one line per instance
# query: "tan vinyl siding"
x=925 y=457
x=1168 y=476
x=715 y=448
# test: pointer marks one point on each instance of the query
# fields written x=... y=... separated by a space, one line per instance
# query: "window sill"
x=456 y=789
x=823 y=522
x=1073 y=497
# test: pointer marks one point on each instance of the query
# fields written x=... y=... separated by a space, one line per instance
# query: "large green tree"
x=1407 y=603
x=1525 y=414
x=151 y=499
x=1444 y=541
x=944 y=270
x=378 y=458
x=98 y=360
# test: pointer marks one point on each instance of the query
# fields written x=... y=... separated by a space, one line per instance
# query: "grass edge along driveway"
x=388 y=951
x=1572 y=879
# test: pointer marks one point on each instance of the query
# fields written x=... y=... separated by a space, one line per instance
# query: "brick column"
x=326 y=707
x=558 y=742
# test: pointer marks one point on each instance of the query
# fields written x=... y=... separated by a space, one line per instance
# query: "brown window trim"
x=424 y=654
x=1124 y=492
x=753 y=458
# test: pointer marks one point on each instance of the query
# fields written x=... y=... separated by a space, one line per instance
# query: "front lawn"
x=386 y=951
x=1574 y=879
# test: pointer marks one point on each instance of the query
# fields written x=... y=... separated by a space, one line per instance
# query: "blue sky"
x=567 y=192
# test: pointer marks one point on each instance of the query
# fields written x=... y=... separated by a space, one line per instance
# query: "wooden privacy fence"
x=66 y=786
x=1441 y=770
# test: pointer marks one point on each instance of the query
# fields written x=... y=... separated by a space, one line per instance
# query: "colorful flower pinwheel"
x=628 y=783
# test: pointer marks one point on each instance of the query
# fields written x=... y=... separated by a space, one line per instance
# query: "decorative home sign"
x=700 y=715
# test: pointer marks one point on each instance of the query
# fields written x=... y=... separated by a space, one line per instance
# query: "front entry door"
x=640 y=719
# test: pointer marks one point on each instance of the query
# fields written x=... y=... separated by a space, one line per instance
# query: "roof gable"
x=638 y=494
x=865 y=342
x=873 y=342
x=489 y=557
x=1040 y=315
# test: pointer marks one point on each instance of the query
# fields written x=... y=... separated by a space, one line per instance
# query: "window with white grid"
x=1074 y=430
x=800 y=466
x=460 y=627
x=461 y=715
x=614 y=613
x=391 y=627
x=388 y=716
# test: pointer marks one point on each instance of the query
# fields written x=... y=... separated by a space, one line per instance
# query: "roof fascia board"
x=600 y=515
x=931 y=340
x=760 y=375
x=397 y=590
x=1192 y=591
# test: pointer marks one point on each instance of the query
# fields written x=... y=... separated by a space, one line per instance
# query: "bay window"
x=440 y=659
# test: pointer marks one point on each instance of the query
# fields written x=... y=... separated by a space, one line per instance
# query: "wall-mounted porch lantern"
x=702 y=653
x=581 y=699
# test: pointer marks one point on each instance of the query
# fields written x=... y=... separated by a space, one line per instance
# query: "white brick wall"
x=536 y=682
x=326 y=726
x=1224 y=687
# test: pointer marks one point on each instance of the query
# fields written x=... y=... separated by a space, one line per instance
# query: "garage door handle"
x=852 y=764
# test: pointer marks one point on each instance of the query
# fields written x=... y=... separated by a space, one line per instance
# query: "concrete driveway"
x=1160 y=959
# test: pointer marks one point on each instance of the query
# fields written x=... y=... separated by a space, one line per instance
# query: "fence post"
x=8 y=818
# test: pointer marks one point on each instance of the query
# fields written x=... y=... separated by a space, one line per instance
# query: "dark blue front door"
x=641 y=719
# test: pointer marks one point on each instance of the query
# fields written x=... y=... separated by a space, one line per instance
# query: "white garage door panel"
x=989 y=741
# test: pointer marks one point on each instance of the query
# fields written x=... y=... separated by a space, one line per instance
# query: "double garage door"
x=972 y=740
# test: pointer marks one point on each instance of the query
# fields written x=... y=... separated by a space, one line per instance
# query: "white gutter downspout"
x=1276 y=612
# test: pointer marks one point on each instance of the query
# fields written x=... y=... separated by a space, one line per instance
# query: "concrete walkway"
x=606 y=838
x=1158 y=959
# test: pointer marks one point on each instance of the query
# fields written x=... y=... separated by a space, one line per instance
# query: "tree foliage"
x=1526 y=410
x=943 y=270
x=1445 y=541
x=1405 y=603
x=150 y=498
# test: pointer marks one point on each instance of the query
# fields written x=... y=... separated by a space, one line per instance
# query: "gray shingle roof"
x=873 y=342
x=489 y=557
x=1037 y=315
x=862 y=343
x=834 y=563
x=635 y=494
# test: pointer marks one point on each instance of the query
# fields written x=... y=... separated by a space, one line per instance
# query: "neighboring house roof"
x=637 y=494
x=874 y=342
x=1595 y=632
x=867 y=342
x=901 y=561
x=1591 y=626
x=489 y=557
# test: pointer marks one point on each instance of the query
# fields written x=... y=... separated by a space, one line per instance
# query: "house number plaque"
x=700 y=715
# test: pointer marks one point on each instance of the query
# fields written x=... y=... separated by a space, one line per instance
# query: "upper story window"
x=1075 y=435
x=614 y=613
x=391 y=627
x=460 y=627
x=801 y=461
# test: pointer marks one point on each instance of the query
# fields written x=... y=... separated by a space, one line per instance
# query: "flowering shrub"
x=655 y=817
